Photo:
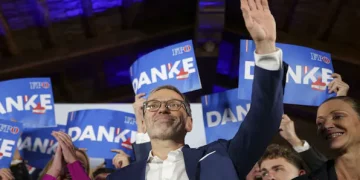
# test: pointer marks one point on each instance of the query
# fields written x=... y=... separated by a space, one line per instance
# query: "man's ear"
x=188 y=123
x=302 y=172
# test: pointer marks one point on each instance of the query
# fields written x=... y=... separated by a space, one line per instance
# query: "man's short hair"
x=102 y=170
x=173 y=88
x=275 y=151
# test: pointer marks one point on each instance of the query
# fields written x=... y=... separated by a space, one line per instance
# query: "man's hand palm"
x=262 y=26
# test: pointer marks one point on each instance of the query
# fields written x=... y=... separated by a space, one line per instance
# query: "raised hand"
x=121 y=159
x=137 y=105
x=260 y=23
x=287 y=131
x=5 y=174
x=67 y=147
x=338 y=86
x=57 y=164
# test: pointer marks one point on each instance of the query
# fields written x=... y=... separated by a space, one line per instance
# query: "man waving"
x=167 y=119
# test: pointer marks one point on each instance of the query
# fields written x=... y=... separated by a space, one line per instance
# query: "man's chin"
x=162 y=134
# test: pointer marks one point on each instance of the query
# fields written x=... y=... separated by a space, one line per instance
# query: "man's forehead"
x=164 y=94
x=270 y=163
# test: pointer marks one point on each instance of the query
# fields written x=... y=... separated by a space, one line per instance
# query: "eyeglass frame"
x=184 y=105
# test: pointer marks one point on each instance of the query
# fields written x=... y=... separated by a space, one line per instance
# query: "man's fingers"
x=265 y=4
x=244 y=5
x=82 y=149
x=8 y=174
x=331 y=84
x=336 y=75
x=285 y=118
x=117 y=163
x=247 y=18
x=258 y=5
x=138 y=96
x=334 y=88
x=252 y=5
x=119 y=151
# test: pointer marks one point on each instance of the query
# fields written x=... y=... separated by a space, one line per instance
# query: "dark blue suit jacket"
x=232 y=159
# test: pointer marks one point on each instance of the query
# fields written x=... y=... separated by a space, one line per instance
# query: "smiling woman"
x=338 y=121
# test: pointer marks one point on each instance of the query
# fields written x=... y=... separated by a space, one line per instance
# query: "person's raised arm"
x=311 y=156
x=263 y=119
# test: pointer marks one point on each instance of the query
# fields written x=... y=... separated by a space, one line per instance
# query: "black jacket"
x=326 y=172
x=313 y=159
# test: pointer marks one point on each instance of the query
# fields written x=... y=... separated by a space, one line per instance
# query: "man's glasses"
x=172 y=105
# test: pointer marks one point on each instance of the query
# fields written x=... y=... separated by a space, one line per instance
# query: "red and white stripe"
x=30 y=169
x=127 y=146
x=306 y=69
x=169 y=66
x=26 y=98
x=117 y=131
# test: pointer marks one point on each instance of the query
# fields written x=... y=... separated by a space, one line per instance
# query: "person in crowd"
x=280 y=163
x=167 y=119
x=313 y=158
x=255 y=173
x=68 y=162
x=338 y=122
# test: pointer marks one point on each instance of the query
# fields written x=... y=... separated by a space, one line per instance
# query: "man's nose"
x=163 y=108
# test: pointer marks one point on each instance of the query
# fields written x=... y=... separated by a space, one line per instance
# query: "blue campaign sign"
x=173 y=65
x=9 y=134
x=100 y=130
x=223 y=113
x=29 y=101
x=307 y=78
x=37 y=146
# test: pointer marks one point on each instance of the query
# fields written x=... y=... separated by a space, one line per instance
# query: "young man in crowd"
x=281 y=163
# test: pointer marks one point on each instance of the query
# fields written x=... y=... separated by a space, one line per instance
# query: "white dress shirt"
x=304 y=147
x=173 y=168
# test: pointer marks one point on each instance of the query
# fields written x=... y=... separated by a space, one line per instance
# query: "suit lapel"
x=191 y=158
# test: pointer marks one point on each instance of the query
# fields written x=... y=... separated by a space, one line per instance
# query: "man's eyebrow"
x=276 y=166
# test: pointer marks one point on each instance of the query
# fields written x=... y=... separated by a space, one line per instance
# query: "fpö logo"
x=181 y=50
x=39 y=85
x=9 y=129
x=318 y=57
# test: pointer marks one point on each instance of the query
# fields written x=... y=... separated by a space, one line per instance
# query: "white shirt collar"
x=173 y=156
